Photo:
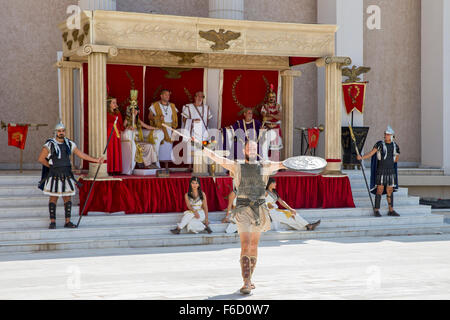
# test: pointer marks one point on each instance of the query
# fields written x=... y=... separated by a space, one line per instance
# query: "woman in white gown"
x=195 y=219
x=289 y=216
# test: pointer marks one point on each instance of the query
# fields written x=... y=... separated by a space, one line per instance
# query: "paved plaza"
x=414 y=267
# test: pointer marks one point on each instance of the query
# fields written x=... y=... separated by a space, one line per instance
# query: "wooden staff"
x=96 y=173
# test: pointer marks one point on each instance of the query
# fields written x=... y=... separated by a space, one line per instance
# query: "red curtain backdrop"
x=160 y=195
x=119 y=79
x=183 y=86
x=245 y=88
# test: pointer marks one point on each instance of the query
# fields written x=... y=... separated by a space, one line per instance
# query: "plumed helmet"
x=272 y=93
x=60 y=126
x=389 y=130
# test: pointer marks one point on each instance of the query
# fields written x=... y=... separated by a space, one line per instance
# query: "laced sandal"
x=70 y=225
x=312 y=226
x=246 y=289
x=393 y=214
x=376 y=213
x=208 y=229
x=52 y=225
x=175 y=231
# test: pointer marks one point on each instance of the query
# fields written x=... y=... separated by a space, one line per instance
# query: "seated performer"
x=271 y=113
x=196 y=218
x=165 y=112
x=289 y=216
x=195 y=119
x=145 y=154
x=383 y=175
x=114 y=155
x=250 y=127
x=57 y=177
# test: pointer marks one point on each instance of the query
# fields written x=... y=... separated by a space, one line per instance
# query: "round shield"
x=305 y=163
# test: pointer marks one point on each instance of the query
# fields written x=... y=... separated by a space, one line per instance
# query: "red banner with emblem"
x=354 y=96
x=17 y=136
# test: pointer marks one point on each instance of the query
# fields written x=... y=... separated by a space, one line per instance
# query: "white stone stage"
x=24 y=222
x=386 y=268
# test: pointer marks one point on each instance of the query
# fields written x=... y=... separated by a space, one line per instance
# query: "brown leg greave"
x=252 y=265
x=245 y=267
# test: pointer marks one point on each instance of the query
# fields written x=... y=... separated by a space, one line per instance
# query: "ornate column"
x=67 y=95
x=349 y=16
x=333 y=112
x=97 y=4
x=287 y=85
x=66 y=69
x=97 y=57
x=435 y=84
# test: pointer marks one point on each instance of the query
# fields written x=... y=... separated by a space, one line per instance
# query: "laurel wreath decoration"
x=357 y=93
x=243 y=107
x=191 y=100
x=155 y=94
x=131 y=80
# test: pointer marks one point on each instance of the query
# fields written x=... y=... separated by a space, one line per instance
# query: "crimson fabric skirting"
x=162 y=195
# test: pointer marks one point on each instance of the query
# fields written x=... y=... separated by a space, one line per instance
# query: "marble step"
x=34 y=211
x=11 y=180
x=89 y=231
x=362 y=192
x=19 y=191
x=398 y=201
x=41 y=214
x=146 y=241
x=38 y=199
x=129 y=221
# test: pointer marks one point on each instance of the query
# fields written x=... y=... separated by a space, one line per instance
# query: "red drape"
x=120 y=80
x=114 y=152
x=245 y=88
x=160 y=195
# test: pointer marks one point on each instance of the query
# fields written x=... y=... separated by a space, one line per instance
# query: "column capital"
x=68 y=64
x=291 y=73
x=343 y=61
x=88 y=49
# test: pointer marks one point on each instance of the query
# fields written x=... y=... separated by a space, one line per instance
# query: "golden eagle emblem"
x=220 y=38
x=354 y=73
x=174 y=73
x=185 y=57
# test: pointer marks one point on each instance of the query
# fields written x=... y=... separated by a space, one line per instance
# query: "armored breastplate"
x=252 y=185
x=64 y=161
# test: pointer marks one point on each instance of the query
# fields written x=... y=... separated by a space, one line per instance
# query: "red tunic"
x=114 y=152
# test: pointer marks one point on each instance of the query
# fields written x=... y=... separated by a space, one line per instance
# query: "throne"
x=129 y=150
